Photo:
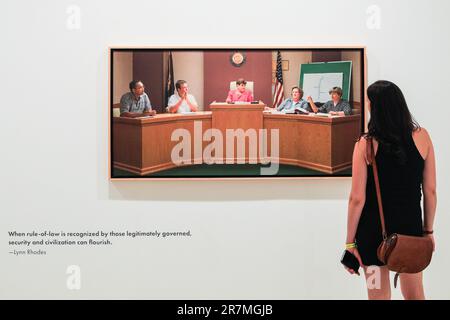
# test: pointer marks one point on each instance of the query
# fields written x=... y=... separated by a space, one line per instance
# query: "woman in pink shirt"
x=240 y=93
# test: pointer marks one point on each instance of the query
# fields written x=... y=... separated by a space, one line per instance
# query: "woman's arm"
x=250 y=96
x=282 y=105
x=312 y=104
x=358 y=192
x=230 y=96
x=429 y=186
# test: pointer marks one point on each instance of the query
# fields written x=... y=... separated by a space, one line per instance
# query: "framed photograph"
x=284 y=65
x=188 y=113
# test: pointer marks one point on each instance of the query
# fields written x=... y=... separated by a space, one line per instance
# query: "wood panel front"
x=238 y=116
x=325 y=144
x=319 y=143
x=145 y=146
x=344 y=134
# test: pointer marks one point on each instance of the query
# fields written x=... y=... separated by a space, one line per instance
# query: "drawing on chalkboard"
x=318 y=78
x=318 y=85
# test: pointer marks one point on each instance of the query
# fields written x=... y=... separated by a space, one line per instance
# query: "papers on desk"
x=325 y=115
x=188 y=112
x=320 y=114
x=302 y=111
x=143 y=117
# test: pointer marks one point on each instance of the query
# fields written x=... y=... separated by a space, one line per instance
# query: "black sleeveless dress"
x=401 y=194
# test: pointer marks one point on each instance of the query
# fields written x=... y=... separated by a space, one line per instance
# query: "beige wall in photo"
x=188 y=65
x=354 y=56
x=123 y=74
x=291 y=77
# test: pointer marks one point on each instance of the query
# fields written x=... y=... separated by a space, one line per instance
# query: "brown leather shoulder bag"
x=400 y=253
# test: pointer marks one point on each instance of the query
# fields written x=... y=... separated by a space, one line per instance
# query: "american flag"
x=278 y=94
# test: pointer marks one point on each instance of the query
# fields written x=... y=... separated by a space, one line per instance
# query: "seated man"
x=336 y=106
x=240 y=94
x=136 y=102
x=295 y=102
x=182 y=101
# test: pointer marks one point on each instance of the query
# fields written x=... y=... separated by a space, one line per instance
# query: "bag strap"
x=373 y=161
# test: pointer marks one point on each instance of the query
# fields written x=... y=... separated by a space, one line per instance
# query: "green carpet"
x=230 y=170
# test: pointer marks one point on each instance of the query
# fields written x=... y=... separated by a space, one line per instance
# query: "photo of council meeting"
x=230 y=113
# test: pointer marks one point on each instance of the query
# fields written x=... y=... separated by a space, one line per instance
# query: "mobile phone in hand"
x=350 y=261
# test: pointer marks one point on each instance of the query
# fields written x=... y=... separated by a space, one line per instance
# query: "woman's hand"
x=355 y=252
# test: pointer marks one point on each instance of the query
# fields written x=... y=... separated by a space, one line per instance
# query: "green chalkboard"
x=344 y=67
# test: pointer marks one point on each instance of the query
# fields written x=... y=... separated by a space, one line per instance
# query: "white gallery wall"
x=264 y=239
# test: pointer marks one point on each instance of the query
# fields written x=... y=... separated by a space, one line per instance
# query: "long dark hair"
x=391 y=122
